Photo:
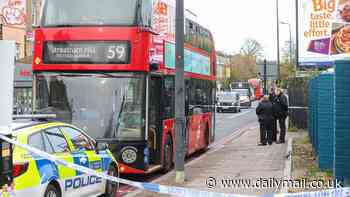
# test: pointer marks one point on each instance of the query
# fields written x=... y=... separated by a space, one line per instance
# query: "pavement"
x=236 y=157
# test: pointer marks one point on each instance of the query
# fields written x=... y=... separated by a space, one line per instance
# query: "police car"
x=36 y=176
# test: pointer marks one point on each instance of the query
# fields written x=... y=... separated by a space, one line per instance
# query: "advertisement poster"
x=164 y=25
x=13 y=12
x=324 y=31
x=164 y=18
x=194 y=62
x=341 y=30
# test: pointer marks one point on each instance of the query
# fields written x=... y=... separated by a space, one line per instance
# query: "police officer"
x=272 y=97
x=280 y=110
x=265 y=115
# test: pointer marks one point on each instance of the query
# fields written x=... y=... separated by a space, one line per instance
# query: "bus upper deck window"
x=146 y=13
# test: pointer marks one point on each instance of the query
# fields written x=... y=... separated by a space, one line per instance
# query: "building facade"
x=223 y=71
x=223 y=67
x=16 y=20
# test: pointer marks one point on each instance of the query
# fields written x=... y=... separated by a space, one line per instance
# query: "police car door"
x=84 y=154
x=57 y=144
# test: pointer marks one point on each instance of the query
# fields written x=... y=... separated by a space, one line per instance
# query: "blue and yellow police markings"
x=63 y=171
x=82 y=181
x=88 y=159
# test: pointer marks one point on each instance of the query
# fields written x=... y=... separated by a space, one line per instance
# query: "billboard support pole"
x=179 y=96
x=278 y=41
x=296 y=36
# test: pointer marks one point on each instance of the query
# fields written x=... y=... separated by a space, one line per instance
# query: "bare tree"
x=252 y=48
x=243 y=67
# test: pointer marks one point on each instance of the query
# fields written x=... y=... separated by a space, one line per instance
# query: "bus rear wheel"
x=168 y=155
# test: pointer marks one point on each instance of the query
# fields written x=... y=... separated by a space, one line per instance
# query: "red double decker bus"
x=109 y=66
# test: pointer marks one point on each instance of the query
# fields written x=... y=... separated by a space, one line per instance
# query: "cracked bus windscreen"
x=105 y=106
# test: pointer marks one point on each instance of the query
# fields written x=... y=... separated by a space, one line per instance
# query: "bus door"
x=154 y=119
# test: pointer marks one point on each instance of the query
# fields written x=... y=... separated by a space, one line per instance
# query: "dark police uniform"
x=265 y=115
x=272 y=98
x=280 y=110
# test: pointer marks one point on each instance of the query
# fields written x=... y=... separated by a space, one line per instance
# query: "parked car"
x=244 y=97
x=228 y=101
x=33 y=175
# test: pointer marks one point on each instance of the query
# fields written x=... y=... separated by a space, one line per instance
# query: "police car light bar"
x=34 y=116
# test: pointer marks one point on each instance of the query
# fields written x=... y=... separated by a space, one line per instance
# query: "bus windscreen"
x=89 y=13
x=105 y=106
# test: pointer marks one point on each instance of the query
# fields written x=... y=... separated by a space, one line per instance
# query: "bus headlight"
x=129 y=155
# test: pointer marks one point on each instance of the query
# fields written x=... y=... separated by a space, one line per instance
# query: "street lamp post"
x=278 y=41
x=296 y=35
x=179 y=95
x=290 y=41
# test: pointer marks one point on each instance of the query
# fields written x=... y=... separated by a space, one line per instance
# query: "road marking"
x=240 y=114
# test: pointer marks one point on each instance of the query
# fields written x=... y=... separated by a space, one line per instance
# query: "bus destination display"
x=86 y=52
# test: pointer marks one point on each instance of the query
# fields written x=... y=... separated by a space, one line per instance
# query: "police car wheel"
x=111 y=187
x=52 y=191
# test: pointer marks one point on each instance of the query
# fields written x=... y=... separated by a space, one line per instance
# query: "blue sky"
x=231 y=21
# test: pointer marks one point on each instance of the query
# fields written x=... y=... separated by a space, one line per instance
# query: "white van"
x=228 y=101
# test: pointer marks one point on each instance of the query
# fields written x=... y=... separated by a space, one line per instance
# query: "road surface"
x=227 y=123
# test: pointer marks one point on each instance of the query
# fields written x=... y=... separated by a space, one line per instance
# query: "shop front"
x=23 y=92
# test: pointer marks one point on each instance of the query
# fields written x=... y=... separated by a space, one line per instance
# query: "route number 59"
x=116 y=51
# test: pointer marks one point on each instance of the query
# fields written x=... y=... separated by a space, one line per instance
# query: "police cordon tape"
x=170 y=190
x=297 y=107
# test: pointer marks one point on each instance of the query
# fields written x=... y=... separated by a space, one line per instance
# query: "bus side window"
x=188 y=31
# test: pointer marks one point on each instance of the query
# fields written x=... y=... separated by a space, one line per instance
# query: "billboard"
x=340 y=39
x=13 y=12
x=316 y=17
x=324 y=32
